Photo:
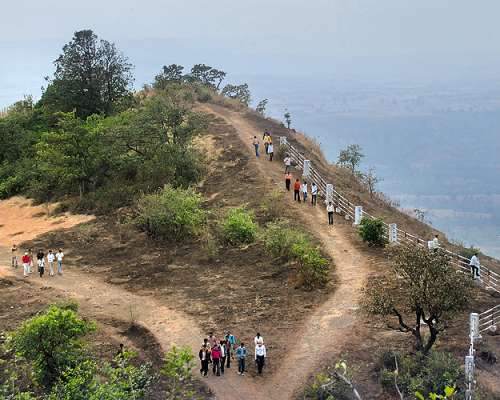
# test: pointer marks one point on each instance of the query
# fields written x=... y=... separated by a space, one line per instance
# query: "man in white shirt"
x=329 y=209
x=475 y=267
x=258 y=339
x=260 y=357
x=50 y=259
x=314 y=194
x=59 y=258
x=304 y=191
x=434 y=243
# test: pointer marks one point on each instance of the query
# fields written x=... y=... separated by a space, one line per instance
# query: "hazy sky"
x=384 y=38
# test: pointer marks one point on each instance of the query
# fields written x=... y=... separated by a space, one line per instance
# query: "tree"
x=91 y=77
x=351 y=156
x=424 y=287
x=238 y=92
x=170 y=74
x=288 y=119
x=371 y=180
x=261 y=107
x=207 y=75
x=52 y=342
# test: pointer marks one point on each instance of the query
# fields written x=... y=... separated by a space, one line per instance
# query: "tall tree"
x=288 y=118
x=351 y=156
x=91 y=77
x=207 y=75
x=238 y=92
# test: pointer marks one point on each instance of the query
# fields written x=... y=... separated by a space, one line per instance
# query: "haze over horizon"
x=378 y=73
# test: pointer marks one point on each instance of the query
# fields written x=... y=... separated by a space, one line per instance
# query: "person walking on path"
x=258 y=339
x=304 y=191
x=329 y=210
x=14 y=256
x=260 y=357
x=26 y=264
x=256 y=146
x=288 y=163
x=270 y=151
x=267 y=140
x=288 y=180
x=475 y=266
x=204 y=355
x=59 y=258
x=212 y=341
x=241 y=355
x=223 y=356
x=30 y=253
x=296 y=190
x=40 y=256
x=434 y=243
x=50 y=259
x=216 y=354
x=314 y=194
x=230 y=342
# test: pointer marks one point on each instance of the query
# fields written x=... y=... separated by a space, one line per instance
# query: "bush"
x=178 y=367
x=51 y=342
x=313 y=267
x=238 y=227
x=279 y=239
x=171 y=213
x=282 y=151
x=373 y=231
x=425 y=374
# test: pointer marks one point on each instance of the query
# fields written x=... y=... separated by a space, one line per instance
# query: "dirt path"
x=324 y=334
x=327 y=330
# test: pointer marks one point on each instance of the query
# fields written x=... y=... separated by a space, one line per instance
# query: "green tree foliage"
x=170 y=74
x=238 y=227
x=351 y=157
x=178 y=367
x=373 y=231
x=288 y=118
x=424 y=288
x=172 y=213
x=238 y=92
x=261 y=107
x=52 y=342
x=91 y=77
x=206 y=75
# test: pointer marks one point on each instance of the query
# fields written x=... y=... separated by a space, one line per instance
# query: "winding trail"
x=323 y=335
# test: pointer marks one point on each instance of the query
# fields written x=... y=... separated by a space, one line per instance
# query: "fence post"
x=393 y=233
x=469 y=377
x=329 y=193
x=474 y=326
x=358 y=214
x=307 y=168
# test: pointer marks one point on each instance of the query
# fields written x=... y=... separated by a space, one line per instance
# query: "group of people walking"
x=28 y=259
x=219 y=353
x=268 y=144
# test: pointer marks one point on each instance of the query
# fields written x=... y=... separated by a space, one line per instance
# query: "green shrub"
x=178 y=367
x=279 y=239
x=419 y=373
x=373 y=231
x=51 y=342
x=171 y=213
x=313 y=267
x=282 y=151
x=238 y=227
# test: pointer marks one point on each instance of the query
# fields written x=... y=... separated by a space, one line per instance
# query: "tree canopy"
x=92 y=77
x=351 y=156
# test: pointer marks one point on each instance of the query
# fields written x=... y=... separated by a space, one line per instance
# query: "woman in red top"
x=216 y=355
x=26 y=264
x=296 y=190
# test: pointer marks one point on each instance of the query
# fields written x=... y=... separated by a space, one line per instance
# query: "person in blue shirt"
x=241 y=355
x=230 y=344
